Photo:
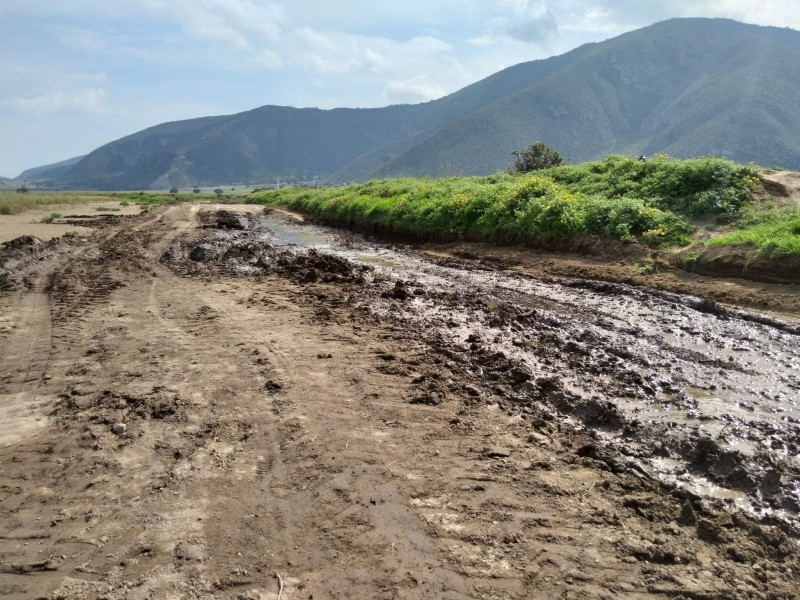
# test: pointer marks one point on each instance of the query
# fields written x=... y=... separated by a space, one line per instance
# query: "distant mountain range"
x=684 y=87
x=52 y=171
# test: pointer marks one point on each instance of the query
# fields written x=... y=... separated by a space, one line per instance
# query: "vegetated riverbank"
x=642 y=210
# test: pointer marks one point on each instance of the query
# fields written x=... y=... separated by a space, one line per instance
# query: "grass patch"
x=646 y=266
x=106 y=209
x=13 y=203
x=49 y=218
x=776 y=234
x=618 y=198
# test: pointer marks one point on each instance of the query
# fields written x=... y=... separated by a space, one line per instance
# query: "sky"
x=76 y=74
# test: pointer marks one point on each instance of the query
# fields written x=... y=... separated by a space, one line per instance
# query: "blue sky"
x=75 y=74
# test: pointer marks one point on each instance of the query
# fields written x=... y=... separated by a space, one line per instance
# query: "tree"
x=536 y=156
x=218 y=191
x=196 y=191
x=173 y=190
x=23 y=189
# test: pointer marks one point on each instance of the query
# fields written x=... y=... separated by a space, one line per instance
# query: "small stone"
x=119 y=428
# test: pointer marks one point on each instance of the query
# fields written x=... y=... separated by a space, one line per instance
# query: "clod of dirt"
x=198 y=254
x=226 y=219
x=119 y=428
x=399 y=292
x=496 y=452
x=688 y=516
x=428 y=399
x=709 y=531
x=273 y=386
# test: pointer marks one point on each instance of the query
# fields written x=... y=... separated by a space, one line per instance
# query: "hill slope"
x=684 y=87
x=51 y=171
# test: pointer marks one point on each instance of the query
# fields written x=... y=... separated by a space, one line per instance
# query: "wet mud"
x=698 y=395
x=239 y=405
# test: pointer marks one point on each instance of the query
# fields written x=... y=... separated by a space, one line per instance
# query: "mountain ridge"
x=685 y=87
x=52 y=170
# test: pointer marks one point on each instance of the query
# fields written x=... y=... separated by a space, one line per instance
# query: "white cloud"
x=418 y=89
x=335 y=53
x=535 y=28
x=82 y=39
x=269 y=60
x=238 y=23
x=87 y=100
x=781 y=13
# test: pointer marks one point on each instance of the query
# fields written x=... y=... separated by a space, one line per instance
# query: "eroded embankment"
x=672 y=387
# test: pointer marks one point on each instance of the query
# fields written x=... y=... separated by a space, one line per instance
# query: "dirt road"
x=208 y=403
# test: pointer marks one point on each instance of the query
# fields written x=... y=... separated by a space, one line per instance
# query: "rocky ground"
x=197 y=403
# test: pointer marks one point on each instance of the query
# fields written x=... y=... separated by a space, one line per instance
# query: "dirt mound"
x=246 y=250
x=314 y=266
x=23 y=257
x=227 y=219
x=779 y=187
x=23 y=241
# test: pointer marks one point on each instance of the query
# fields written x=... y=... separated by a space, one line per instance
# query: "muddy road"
x=214 y=402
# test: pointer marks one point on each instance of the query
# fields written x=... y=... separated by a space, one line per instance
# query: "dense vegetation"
x=618 y=198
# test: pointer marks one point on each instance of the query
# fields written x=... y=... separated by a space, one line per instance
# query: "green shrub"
x=646 y=266
x=49 y=218
x=618 y=198
x=535 y=157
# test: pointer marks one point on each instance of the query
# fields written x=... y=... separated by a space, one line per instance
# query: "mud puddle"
x=289 y=233
x=704 y=398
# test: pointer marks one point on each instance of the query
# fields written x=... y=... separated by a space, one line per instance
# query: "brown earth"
x=175 y=429
x=75 y=218
x=779 y=187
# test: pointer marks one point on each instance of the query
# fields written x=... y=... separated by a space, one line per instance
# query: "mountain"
x=51 y=171
x=685 y=87
x=682 y=87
